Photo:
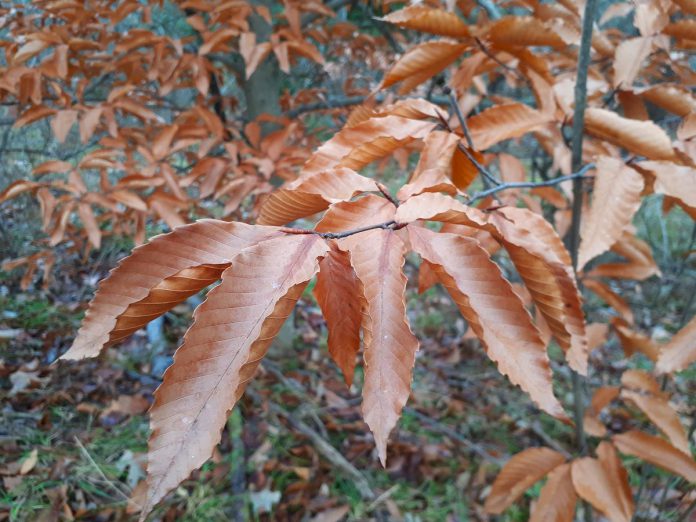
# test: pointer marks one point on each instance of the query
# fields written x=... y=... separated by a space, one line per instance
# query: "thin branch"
x=530 y=184
x=387 y=225
x=487 y=177
x=574 y=238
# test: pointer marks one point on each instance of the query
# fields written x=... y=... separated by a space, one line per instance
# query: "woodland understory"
x=348 y=260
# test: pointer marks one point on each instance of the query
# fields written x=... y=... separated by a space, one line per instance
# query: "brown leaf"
x=610 y=297
x=493 y=309
x=312 y=194
x=30 y=462
x=502 y=122
x=62 y=123
x=354 y=147
x=557 y=499
x=158 y=276
x=674 y=98
x=520 y=473
x=632 y=341
x=422 y=62
x=600 y=400
x=541 y=258
x=339 y=294
x=659 y=411
x=428 y=20
x=680 y=351
x=603 y=482
x=434 y=168
x=673 y=180
x=90 y=224
x=644 y=138
x=656 y=451
x=230 y=334
x=628 y=59
x=162 y=143
x=523 y=31
x=615 y=199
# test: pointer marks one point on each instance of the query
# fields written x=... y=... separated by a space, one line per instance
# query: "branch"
x=387 y=225
x=345 y=101
x=531 y=184
x=487 y=176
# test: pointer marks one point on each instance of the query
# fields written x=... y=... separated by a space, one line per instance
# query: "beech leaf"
x=557 y=499
x=229 y=336
x=157 y=276
x=428 y=20
x=492 y=309
x=680 y=351
x=656 y=451
x=615 y=199
x=603 y=482
x=520 y=473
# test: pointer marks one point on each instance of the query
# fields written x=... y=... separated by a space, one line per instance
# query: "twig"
x=486 y=176
x=530 y=184
x=323 y=447
x=106 y=479
x=385 y=192
x=387 y=225
x=454 y=435
x=384 y=496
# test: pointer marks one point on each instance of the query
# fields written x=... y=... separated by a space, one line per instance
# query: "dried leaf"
x=521 y=472
x=628 y=59
x=603 y=482
x=339 y=294
x=354 y=147
x=494 y=311
x=312 y=194
x=656 y=451
x=659 y=411
x=428 y=20
x=422 y=62
x=502 y=122
x=158 y=276
x=644 y=138
x=615 y=199
x=680 y=351
x=557 y=499
x=673 y=180
x=523 y=31
x=230 y=334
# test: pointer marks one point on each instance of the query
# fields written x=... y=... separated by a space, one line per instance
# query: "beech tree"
x=185 y=123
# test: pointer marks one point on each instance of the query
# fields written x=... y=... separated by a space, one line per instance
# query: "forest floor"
x=74 y=435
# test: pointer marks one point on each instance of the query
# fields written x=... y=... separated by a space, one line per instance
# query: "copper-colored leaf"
x=492 y=308
x=656 y=451
x=557 y=499
x=639 y=137
x=354 y=147
x=230 y=334
x=615 y=199
x=600 y=399
x=628 y=59
x=503 y=122
x=390 y=347
x=676 y=99
x=339 y=294
x=610 y=297
x=544 y=264
x=156 y=277
x=422 y=62
x=428 y=20
x=659 y=411
x=90 y=224
x=680 y=352
x=632 y=341
x=434 y=168
x=523 y=31
x=62 y=123
x=673 y=180
x=519 y=474
x=603 y=482
x=312 y=194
